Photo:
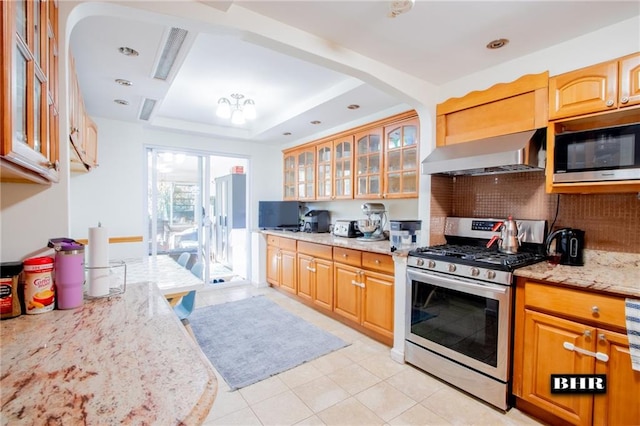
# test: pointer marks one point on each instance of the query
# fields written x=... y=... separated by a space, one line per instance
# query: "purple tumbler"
x=69 y=275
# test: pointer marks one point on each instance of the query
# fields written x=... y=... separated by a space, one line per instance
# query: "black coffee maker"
x=569 y=245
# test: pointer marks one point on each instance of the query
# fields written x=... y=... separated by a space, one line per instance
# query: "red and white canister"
x=39 y=291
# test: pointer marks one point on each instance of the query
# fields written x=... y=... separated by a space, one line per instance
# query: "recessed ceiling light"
x=353 y=106
x=128 y=51
x=316 y=122
x=123 y=82
x=121 y=102
x=497 y=44
x=287 y=133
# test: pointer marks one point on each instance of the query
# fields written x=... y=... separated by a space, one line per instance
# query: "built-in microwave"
x=604 y=154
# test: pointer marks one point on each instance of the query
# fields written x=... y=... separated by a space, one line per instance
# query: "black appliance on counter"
x=569 y=246
x=279 y=215
x=316 y=221
x=459 y=307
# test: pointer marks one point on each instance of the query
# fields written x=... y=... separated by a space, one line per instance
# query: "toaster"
x=346 y=228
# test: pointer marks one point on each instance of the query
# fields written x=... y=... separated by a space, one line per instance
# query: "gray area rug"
x=252 y=339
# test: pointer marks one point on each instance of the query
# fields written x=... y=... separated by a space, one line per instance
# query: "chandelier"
x=238 y=113
x=396 y=7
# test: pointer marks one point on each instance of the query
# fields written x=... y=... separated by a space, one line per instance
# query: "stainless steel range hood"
x=516 y=152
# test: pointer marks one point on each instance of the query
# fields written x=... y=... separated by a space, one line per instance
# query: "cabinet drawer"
x=377 y=262
x=272 y=240
x=347 y=256
x=288 y=244
x=575 y=303
x=316 y=250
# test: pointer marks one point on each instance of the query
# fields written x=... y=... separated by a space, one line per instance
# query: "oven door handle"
x=458 y=284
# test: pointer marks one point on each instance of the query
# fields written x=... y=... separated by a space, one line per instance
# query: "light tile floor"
x=356 y=385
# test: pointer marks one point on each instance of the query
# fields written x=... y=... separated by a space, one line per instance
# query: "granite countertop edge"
x=126 y=358
x=381 y=247
x=608 y=272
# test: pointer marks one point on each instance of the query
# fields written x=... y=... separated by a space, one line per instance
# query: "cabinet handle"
x=597 y=355
x=587 y=333
x=595 y=310
x=345 y=255
x=377 y=262
x=610 y=103
x=354 y=282
x=311 y=269
x=602 y=337
x=624 y=100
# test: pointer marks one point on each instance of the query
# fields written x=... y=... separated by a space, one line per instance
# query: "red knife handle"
x=497 y=226
x=492 y=240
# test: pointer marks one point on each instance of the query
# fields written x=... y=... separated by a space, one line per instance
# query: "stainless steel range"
x=459 y=307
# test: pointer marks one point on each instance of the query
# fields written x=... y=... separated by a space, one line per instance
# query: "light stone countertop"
x=164 y=272
x=382 y=247
x=603 y=271
x=126 y=359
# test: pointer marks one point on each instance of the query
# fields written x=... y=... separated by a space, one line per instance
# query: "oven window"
x=462 y=322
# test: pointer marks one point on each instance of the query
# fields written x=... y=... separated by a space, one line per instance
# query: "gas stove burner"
x=465 y=252
x=477 y=256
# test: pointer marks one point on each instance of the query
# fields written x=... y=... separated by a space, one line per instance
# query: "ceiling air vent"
x=170 y=53
x=147 y=109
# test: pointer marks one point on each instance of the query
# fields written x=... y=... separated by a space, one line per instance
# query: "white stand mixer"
x=372 y=227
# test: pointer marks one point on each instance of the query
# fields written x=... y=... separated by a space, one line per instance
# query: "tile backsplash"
x=610 y=221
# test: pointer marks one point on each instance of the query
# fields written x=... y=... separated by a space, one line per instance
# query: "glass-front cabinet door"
x=343 y=166
x=325 y=171
x=290 y=177
x=306 y=173
x=368 y=162
x=401 y=152
x=28 y=91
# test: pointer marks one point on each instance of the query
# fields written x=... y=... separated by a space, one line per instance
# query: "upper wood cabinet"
x=29 y=91
x=602 y=87
x=401 y=159
x=324 y=156
x=305 y=173
x=290 y=176
x=83 y=132
x=343 y=167
x=368 y=163
x=378 y=160
x=502 y=109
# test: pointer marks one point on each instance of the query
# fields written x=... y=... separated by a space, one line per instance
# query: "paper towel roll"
x=98 y=280
x=98 y=246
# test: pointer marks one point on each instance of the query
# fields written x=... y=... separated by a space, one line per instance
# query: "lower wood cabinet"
x=281 y=263
x=555 y=319
x=315 y=280
x=353 y=286
x=364 y=296
x=347 y=292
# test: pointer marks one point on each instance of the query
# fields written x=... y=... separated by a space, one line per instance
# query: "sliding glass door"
x=191 y=210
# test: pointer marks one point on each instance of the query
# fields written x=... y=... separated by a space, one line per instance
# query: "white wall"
x=607 y=43
x=114 y=192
